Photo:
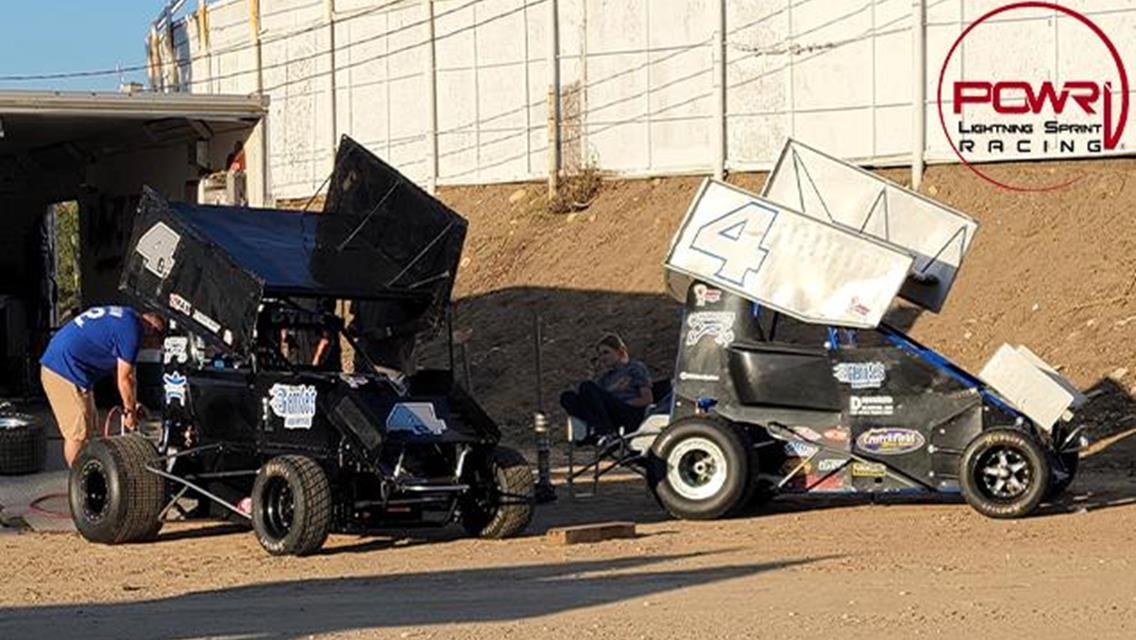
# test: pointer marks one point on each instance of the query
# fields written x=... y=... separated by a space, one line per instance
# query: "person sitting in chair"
x=618 y=396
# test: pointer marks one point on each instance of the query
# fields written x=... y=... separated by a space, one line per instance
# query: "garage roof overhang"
x=47 y=134
x=134 y=105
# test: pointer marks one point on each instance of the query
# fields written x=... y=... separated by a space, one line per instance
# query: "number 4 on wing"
x=735 y=239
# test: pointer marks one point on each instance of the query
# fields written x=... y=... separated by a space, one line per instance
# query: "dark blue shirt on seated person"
x=89 y=347
x=625 y=380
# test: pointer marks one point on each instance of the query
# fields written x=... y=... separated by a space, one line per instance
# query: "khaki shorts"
x=74 y=408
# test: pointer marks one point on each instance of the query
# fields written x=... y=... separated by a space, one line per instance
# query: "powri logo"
x=1075 y=104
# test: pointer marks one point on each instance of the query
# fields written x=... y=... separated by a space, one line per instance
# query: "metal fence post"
x=431 y=102
x=719 y=161
x=553 y=98
x=919 y=90
x=333 y=98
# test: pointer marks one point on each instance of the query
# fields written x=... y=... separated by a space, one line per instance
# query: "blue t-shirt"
x=624 y=381
x=89 y=347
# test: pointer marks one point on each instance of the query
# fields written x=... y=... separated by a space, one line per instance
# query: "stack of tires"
x=23 y=444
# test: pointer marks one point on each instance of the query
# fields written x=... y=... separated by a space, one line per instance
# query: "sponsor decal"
x=890 y=441
x=702 y=377
x=716 y=324
x=704 y=295
x=868 y=470
x=180 y=304
x=831 y=464
x=857 y=307
x=157 y=247
x=415 y=417
x=174 y=384
x=807 y=433
x=800 y=449
x=1031 y=107
x=296 y=403
x=836 y=434
x=175 y=349
x=861 y=375
x=871 y=406
x=206 y=321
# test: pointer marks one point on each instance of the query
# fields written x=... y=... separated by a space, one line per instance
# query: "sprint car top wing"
x=810 y=269
x=381 y=240
x=830 y=189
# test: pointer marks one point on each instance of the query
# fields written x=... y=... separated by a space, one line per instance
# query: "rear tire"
x=699 y=469
x=501 y=498
x=23 y=444
x=291 y=506
x=114 y=499
x=1005 y=473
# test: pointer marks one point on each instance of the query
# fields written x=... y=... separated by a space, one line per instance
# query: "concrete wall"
x=637 y=76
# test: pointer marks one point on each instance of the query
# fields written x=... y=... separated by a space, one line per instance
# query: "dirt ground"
x=800 y=568
x=1052 y=271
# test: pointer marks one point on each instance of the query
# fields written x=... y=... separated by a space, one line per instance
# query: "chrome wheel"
x=696 y=469
x=1004 y=473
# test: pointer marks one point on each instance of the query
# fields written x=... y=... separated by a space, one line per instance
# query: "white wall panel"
x=637 y=77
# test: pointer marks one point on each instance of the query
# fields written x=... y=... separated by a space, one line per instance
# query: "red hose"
x=106 y=424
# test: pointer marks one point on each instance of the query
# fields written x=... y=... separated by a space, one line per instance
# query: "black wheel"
x=114 y=499
x=23 y=444
x=1005 y=473
x=699 y=469
x=291 y=506
x=501 y=498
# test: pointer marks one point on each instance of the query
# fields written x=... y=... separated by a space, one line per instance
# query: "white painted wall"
x=638 y=79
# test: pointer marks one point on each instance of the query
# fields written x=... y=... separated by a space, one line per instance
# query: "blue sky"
x=48 y=36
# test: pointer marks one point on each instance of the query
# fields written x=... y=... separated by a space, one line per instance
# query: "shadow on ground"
x=316 y=606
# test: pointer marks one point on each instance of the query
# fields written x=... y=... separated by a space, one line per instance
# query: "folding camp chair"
x=623 y=449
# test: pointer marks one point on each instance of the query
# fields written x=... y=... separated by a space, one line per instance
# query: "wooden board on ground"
x=585 y=533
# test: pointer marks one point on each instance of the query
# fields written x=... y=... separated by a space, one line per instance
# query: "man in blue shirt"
x=97 y=343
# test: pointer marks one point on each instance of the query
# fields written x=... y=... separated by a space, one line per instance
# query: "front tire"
x=1005 y=473
x=114 y=499
x=291 y=506
x=501 y=498
x=699 y=469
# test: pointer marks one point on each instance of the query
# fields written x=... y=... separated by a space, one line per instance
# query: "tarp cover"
x=380 y=238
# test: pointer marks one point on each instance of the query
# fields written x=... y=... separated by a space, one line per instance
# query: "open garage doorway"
x=72 y=166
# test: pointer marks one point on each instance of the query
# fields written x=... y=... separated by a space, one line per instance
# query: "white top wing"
x=807 y=268
x=835 y=191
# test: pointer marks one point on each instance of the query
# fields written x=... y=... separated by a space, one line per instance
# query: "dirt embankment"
x=1053 y=271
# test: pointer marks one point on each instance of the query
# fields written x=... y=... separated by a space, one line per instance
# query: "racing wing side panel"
x=171 y=268
x=807 y=268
